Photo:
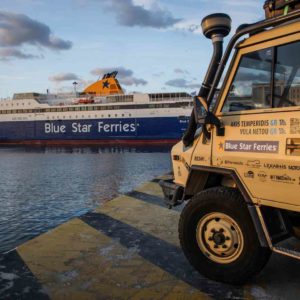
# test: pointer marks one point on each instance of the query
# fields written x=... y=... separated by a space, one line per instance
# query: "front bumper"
x=173 y=193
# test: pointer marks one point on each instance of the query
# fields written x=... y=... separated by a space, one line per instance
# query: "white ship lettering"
x=76 y=127
x=51 y=128
x=102 y=127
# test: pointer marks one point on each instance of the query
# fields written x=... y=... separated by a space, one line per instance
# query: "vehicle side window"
x=251 y=88
x=287 y=76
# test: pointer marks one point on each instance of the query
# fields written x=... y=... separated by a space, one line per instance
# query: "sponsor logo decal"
x=221 y=146
x=294 y=168
x=282 y=167
x=275 y=166
x=283 y=178
x=261 y=127
x=251 y=146
x=262 y=176
x=237 y=163
x=253 y=164
x=295 y=126
x=199 y=158
x=219 y=161
x=249 y=174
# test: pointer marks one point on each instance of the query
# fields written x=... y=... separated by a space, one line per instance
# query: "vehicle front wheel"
x=218 y=237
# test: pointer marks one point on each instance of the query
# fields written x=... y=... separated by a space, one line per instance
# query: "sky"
x=156 y=45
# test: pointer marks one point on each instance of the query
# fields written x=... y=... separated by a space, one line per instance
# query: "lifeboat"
x=86 y=101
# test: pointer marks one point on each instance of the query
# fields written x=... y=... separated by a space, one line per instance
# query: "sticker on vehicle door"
x=250 y=146
x=295 y=126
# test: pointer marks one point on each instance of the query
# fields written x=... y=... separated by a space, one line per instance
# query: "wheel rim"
x=220 y=238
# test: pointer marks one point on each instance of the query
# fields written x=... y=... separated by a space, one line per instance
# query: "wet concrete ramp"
x=127 y=249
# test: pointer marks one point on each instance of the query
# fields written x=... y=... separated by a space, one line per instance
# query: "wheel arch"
x=199 y=179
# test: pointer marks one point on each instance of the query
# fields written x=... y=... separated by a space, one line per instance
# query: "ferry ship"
x=101 y=114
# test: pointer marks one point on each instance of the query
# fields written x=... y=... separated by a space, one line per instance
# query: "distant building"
x=261 y=92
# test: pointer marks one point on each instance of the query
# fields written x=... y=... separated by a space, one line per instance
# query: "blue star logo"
x=106 y=84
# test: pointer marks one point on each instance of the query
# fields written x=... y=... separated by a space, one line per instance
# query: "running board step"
x=286 y=252
x=277 y=249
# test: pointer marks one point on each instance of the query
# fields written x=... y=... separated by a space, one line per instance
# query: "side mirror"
x=204 y=116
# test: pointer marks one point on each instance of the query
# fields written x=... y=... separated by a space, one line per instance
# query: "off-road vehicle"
x=237 y=169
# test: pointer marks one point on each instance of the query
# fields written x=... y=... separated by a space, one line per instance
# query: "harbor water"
x=44 y=187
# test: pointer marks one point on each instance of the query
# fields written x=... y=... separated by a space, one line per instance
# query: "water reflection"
x=89 y=149
x=43 y=187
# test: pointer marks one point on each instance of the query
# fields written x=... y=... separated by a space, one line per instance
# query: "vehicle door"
x=260 y=109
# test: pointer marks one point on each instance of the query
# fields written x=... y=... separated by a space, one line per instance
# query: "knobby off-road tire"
x=218 y=237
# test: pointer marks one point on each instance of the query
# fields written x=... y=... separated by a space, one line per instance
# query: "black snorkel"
x=215 y=27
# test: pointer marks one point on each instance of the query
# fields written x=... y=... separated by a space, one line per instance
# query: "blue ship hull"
x=156 y=129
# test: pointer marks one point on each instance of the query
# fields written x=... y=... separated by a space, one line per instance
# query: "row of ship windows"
x=96 y=116
x=12 y=104
x=83 y=117
x=92 y=108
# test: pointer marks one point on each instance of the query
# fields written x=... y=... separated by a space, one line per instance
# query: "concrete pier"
x=127 y=249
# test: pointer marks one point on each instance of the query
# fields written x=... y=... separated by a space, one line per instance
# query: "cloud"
x=253 y=77
x=132 y=14
x=64 y=77
x=129 y=81
x=125 y=76
x=180 y=71
x=159 y=74
x=7 y=54
x=238 y=3
x=19 y=30
x=240 y=12
x=194 y=28
x=191 y=25
x=182 y=83
x=65 y=87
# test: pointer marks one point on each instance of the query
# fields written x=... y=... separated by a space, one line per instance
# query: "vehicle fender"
x=198 y=180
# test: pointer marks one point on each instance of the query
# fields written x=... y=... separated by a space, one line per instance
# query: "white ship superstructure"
x=92 y=118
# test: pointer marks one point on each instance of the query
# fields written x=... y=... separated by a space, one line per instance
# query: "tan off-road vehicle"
x=237 y=169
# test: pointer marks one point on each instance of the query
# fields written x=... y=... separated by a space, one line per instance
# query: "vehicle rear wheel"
x=218 y=237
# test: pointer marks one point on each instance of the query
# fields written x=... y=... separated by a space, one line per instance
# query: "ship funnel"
x=108 y=85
